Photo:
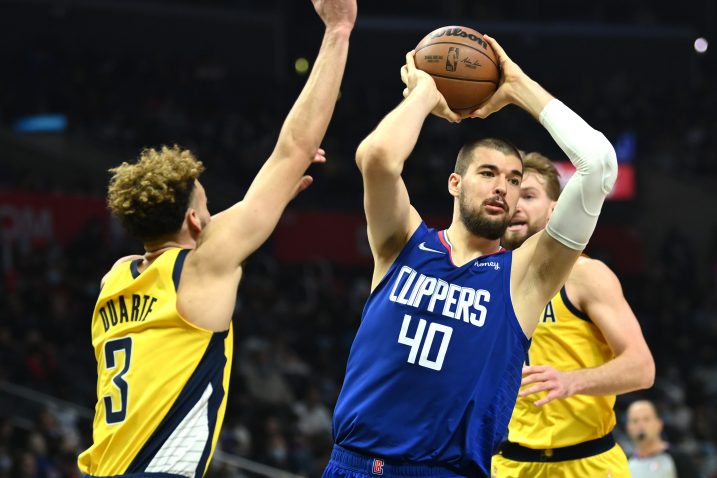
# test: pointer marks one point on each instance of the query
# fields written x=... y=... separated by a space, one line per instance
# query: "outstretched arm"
x=391 y=218
x=596 y=291
x=543 y=262
x=235 y=233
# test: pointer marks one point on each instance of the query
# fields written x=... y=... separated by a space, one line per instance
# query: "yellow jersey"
x=567 y=340
x=162 y=382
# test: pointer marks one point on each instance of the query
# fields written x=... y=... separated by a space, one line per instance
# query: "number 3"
x=111 y=348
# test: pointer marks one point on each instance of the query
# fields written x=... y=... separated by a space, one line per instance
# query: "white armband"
x=576 y=213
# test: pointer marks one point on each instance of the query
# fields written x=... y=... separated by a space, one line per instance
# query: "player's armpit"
x=540 y=268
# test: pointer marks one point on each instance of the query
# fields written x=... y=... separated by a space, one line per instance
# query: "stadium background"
x=86 y=84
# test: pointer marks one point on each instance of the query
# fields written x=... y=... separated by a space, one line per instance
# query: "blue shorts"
x=348 y=464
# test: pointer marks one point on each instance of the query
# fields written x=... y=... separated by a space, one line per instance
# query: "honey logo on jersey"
x=494 y=264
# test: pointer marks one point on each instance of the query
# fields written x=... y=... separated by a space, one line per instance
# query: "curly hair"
x=151 y=196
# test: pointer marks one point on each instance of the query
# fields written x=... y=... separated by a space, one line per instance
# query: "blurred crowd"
x=121 y=102
x=295 y=322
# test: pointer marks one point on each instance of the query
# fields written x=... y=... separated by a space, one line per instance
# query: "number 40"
x=415 y=342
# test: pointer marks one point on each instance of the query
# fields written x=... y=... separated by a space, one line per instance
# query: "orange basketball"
x=463 y=65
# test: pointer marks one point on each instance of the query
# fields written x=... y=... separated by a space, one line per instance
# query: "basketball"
x=463 y=65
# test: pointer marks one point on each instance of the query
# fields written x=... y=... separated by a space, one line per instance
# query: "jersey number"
x=124 y=344
x=415 y=342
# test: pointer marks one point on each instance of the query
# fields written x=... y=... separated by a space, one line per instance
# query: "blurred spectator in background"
x=653 y=457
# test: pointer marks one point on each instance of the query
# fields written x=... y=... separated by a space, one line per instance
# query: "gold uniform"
x=567 y=340
x=162 y=382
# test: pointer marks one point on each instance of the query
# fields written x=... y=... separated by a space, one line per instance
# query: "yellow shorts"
x=610 y=464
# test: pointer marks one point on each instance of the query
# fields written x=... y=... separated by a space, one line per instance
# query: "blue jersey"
x=435 y=367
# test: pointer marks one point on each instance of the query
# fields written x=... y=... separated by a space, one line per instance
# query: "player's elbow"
x=374 y=158
x=296 y=145
x=606 y=162
x=645 y=367
x=648 y=379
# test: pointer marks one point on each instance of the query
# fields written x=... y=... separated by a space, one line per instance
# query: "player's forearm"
x=625 y=373
x=306 y=123
x=390 y=144
x=576 y=213
x=587 y=148
x=530 y=96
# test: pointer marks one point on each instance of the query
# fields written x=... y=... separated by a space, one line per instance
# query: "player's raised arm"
x=543 y=262
x=235 y=233
x=391 y=218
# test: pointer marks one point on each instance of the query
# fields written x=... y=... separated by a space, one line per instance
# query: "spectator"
x=653 y=457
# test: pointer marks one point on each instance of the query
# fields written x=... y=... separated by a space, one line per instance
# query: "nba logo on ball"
x=377 y=467
x=452 y=58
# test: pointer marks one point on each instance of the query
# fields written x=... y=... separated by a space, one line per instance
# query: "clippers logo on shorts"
x=377 y=467
x=452 y=58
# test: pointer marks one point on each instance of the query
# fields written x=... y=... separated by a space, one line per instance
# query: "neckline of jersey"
x=134 y=265
x=443 y=239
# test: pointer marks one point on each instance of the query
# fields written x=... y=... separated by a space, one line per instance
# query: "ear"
x=193 y=222
x=551 y=208
x=454 y=184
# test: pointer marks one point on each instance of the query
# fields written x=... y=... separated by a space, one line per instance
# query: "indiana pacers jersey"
x=161 y=381
x=435 y=367
x=567 y=340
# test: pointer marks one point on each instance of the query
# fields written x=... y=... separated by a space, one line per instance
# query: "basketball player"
x=161 y=328
x=435 y=367
x=587 y=348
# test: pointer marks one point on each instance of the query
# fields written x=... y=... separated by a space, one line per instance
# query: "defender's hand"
x=336 y=14
x=511 y=83
x=419 y=80
x=547 y=379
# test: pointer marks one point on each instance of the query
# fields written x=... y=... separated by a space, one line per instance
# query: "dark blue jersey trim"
x=209 y=370
x=178 y=265
x=571 y=307
x=133 y=268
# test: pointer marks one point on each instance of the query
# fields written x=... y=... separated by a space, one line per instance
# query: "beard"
x=513 y=240
x=480 y=223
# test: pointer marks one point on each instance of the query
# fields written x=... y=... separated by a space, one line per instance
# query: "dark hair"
x=465 y=155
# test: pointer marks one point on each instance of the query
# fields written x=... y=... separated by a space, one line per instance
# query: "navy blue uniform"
x=435 y=367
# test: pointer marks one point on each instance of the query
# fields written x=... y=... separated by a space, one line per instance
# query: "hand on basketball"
x=412 y=77
x=336 y=13
x=507 y=92
x=546 y=379
x=306 y=181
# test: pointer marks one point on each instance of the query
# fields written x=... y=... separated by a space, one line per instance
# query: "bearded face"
x=518 y=231
x=531 y=213
x=485 y=220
